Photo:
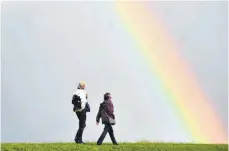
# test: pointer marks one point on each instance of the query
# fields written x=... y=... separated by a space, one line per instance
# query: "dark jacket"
x=108 y=107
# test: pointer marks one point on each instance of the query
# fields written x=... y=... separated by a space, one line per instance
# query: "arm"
x=83 y=97
x=83 y=104
x=98 y=115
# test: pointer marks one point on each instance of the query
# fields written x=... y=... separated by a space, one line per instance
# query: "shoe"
x=76 y=141
x=79 y=142
x=99 y=143
x=115 y=143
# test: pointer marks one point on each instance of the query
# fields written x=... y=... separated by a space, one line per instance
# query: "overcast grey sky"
x=47 y=47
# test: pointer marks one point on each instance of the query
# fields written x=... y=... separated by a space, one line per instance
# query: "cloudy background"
x=47 y=47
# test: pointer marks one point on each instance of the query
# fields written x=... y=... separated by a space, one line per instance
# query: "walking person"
x=81 y=107
x=106 y=112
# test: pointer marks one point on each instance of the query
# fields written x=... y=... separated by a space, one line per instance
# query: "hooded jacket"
x=108 y=107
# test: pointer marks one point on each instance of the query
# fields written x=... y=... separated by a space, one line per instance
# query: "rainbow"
x=162 y=55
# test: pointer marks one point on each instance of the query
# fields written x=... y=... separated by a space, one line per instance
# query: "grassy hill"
x=109 y=147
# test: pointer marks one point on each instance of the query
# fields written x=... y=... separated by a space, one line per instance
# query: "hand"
x=78 y=110
x=97 y=123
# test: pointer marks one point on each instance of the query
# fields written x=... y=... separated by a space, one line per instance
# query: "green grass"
x=141 y=146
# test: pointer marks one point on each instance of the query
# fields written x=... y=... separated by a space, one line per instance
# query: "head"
x=82 y=85
x=107 y=96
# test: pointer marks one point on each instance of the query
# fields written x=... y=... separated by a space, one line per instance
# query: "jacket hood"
x=105 y=103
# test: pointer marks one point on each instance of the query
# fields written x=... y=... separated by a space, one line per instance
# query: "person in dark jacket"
x=106 y=109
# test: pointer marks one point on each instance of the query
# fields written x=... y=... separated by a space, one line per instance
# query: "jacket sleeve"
x=83 y=99
x=98 y=115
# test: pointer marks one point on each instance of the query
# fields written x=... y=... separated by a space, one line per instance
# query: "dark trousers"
x=82 y=124
x=108 y=128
